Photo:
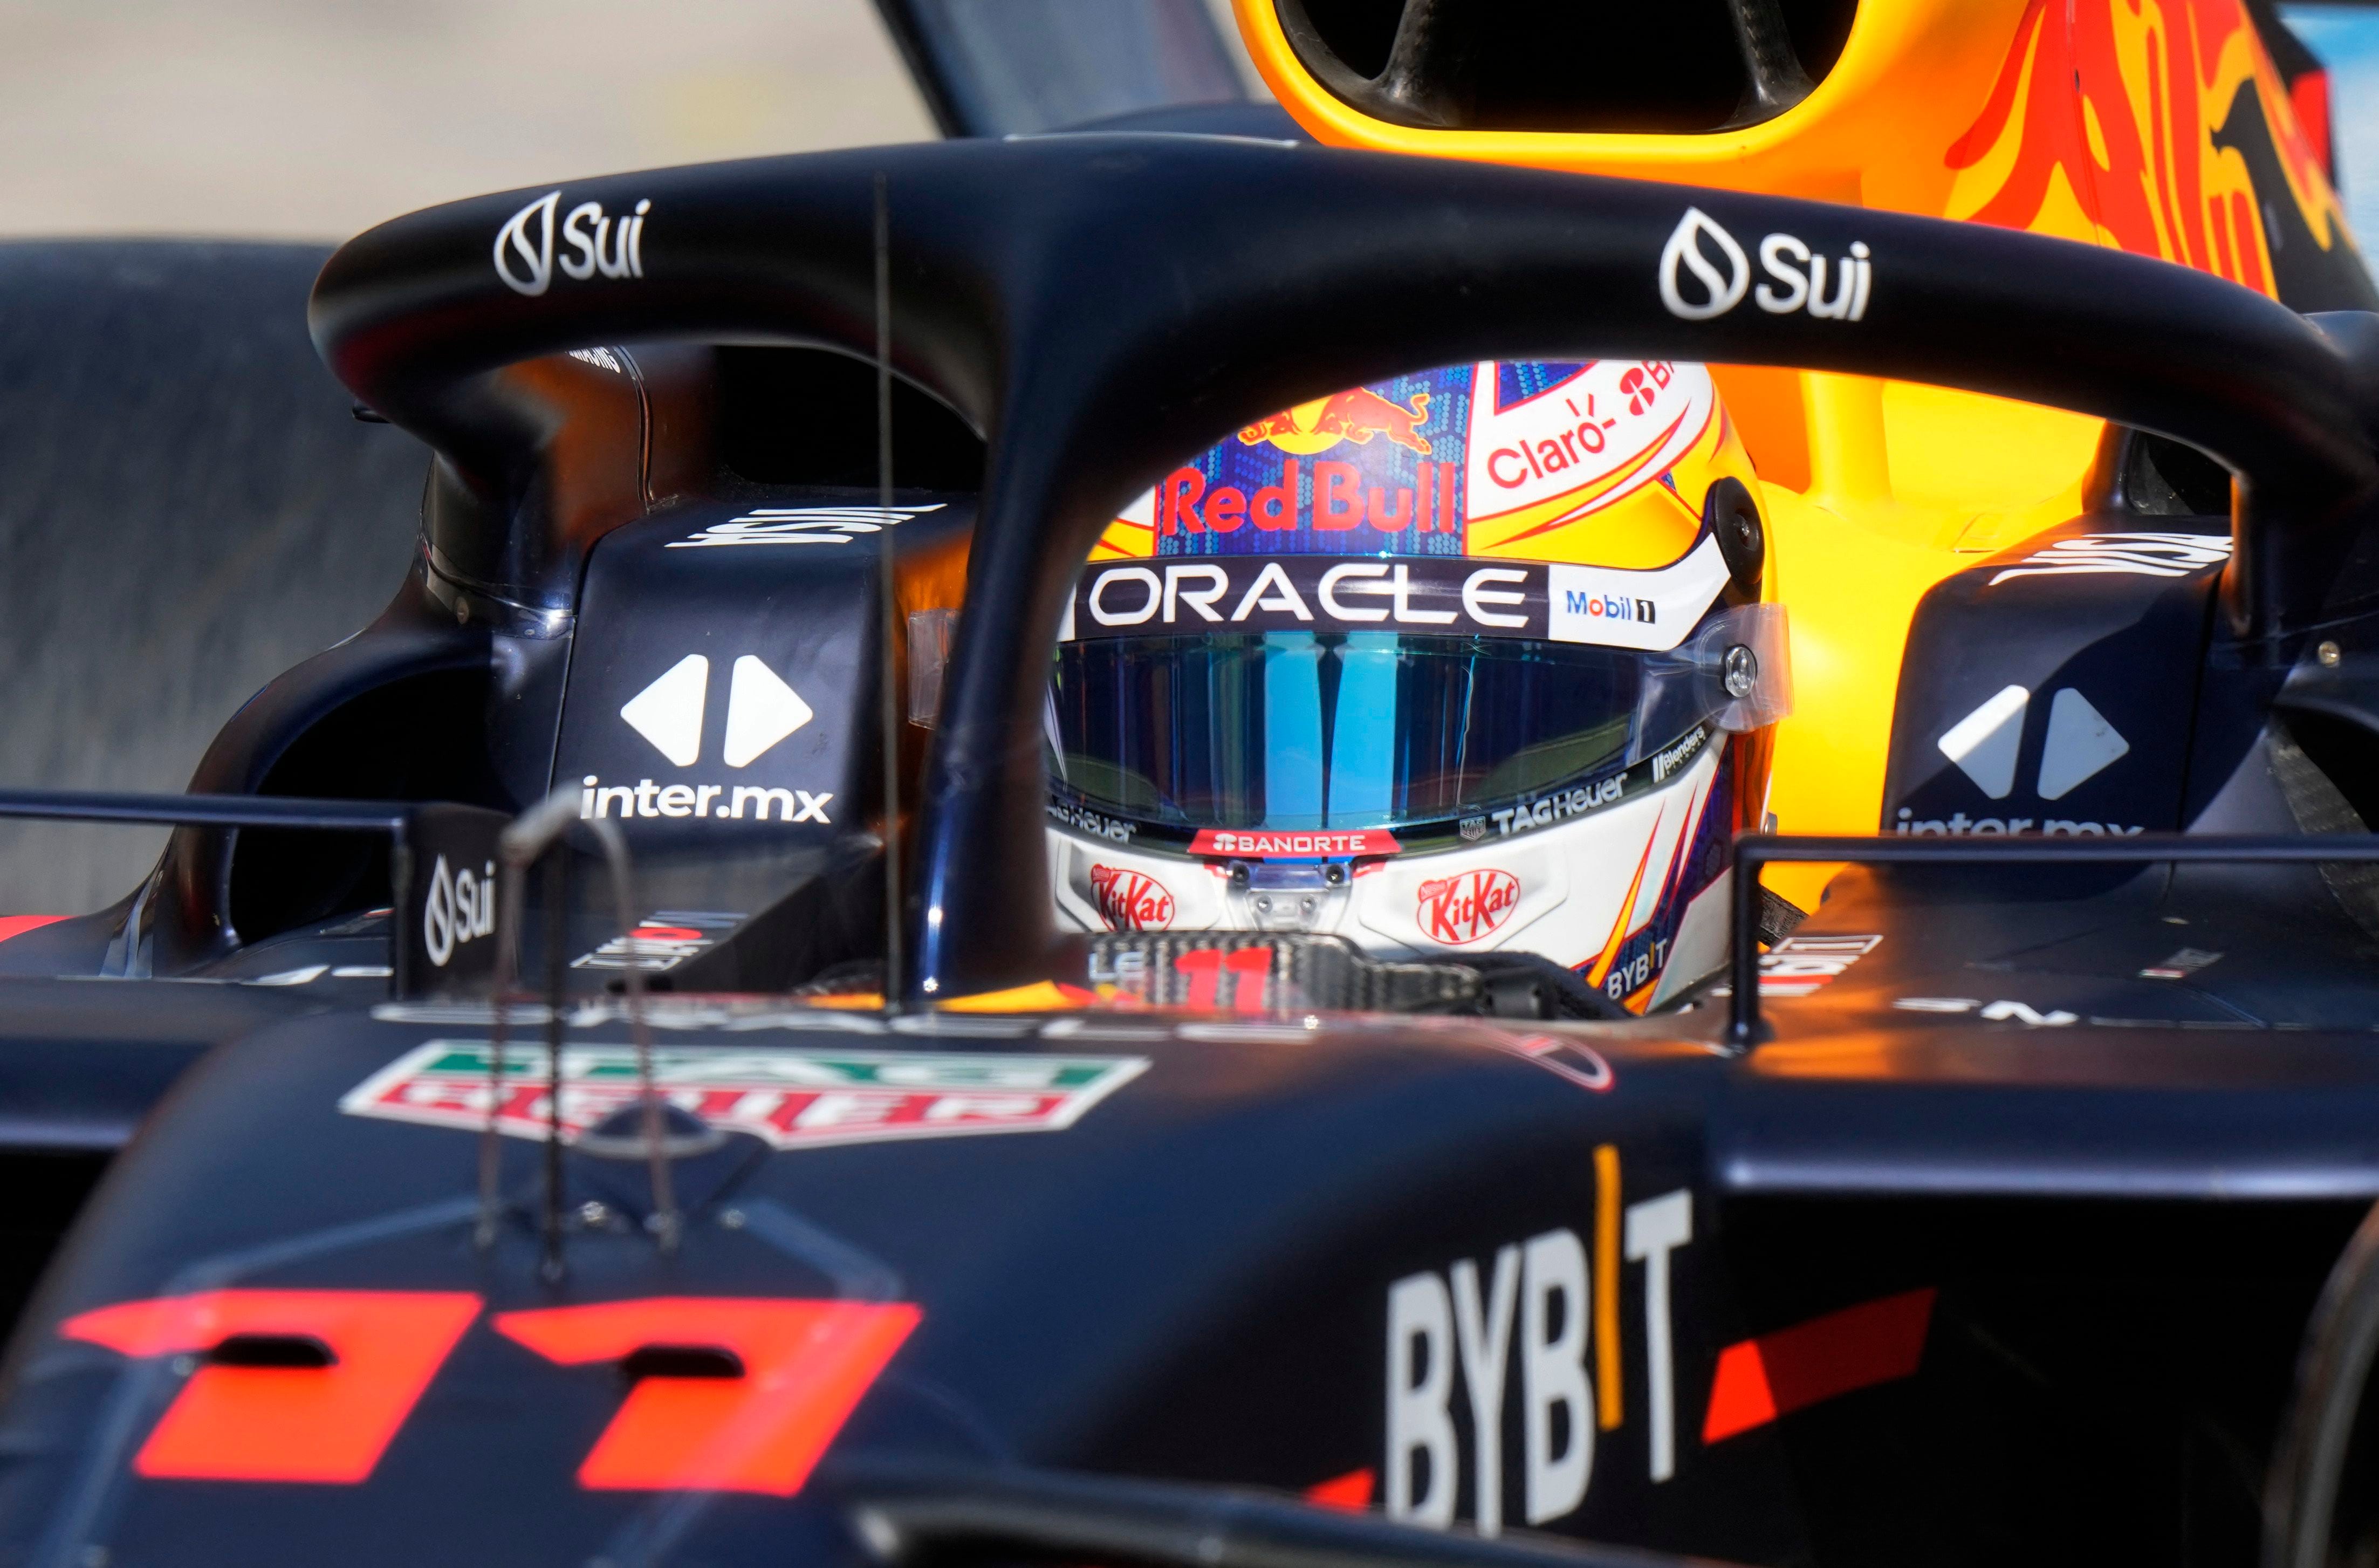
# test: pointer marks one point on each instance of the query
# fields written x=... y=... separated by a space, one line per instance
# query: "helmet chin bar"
x=1579 y=890
x=1297 y=897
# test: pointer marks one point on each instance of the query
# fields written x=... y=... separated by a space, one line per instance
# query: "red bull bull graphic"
x=2158 y=126
x=1353 y=415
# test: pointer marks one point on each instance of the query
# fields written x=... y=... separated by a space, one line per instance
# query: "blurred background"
x=2347 y=39
x=190 y=507
x=315 y=118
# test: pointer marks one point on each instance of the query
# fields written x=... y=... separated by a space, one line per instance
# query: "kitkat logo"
x=1130 y=901
x=1465 y=909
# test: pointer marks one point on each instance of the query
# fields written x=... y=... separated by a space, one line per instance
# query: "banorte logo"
x=1457 y=911
x=524 y=257
x=461 y=906
x=1130 y=901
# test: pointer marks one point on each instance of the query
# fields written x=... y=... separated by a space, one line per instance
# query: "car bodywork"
x=1997 y=1228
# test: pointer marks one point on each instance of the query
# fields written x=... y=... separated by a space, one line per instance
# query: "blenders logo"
x=1130 y=901
x=1456 y=910
x=459 y=908
x=1676 y=756
x=595 y=242
x=1701 y=251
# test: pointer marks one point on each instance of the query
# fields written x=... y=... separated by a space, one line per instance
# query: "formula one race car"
x=1066 y=846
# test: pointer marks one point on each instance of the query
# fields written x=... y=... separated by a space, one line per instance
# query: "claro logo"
x=1705 y=273
x=595 y=241
x=461 y=906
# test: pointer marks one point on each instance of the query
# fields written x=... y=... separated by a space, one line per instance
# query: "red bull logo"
x=1456 y=910
x=1336 y=499
x=1353 y=415
x=1130 y=901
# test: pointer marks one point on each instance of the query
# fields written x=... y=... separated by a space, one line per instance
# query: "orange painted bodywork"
x=2119 y=122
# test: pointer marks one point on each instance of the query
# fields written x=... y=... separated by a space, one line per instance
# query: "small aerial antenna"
x=537 y=834
x=888 y=601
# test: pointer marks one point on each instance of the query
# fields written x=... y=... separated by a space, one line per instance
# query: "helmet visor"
x=1347 y=730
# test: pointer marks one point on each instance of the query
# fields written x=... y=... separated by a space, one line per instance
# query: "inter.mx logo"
x=761 y=710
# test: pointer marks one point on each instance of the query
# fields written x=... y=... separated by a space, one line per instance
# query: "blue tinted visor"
x=1340 y=730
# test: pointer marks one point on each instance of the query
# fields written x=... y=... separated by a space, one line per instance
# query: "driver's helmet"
x=1480 y=658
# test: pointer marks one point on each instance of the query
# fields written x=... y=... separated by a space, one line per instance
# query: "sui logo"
x=524 y=254
x=460 y=907
x=1130 y=901
x=1456 y=910
x=1720 y=274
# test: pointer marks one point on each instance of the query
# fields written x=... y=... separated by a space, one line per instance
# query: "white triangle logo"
x=2081 y=744
x=668 y=712
x=761 y=711
x=1984 y=742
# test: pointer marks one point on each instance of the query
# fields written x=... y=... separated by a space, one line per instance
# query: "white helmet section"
x=1573 y=891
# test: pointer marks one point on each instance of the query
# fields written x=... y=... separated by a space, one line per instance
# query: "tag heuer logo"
x=1474 y=828
x=794 y=1099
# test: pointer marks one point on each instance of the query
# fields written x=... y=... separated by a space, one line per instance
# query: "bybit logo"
x=761 y=711
x=524 y=257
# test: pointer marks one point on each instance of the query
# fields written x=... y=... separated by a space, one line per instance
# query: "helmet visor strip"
x=1298 y=729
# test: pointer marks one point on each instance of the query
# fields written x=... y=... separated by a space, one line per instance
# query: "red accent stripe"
x=1351 y=1491
x=16 y=925
x=1758 y=1380
x=2310 y=95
